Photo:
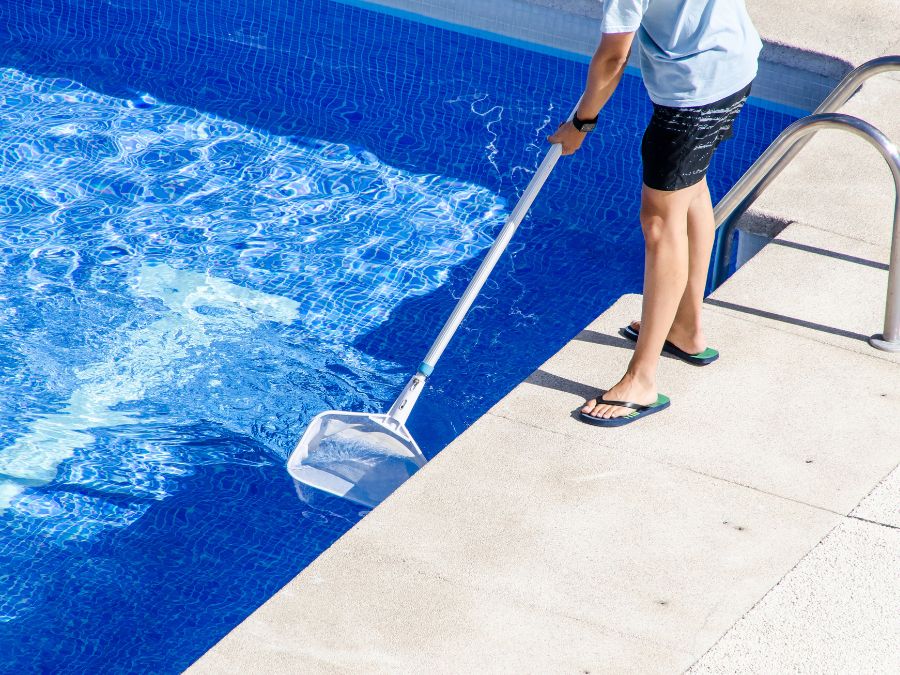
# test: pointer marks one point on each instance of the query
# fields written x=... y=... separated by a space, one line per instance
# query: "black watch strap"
x=584 y=125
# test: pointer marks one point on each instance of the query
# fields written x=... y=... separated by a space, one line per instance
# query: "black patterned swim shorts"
x=679 y=142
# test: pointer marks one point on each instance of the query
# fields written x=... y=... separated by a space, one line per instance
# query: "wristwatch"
x=584 y=125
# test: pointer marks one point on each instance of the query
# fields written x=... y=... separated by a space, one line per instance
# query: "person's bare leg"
x=687 y=329
x=664 y=222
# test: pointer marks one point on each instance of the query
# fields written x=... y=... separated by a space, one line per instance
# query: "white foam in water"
x=146 y=358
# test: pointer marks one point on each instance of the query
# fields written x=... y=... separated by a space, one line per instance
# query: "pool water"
x=219 y=220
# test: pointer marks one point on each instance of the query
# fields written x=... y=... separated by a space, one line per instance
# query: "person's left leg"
x=664 y=221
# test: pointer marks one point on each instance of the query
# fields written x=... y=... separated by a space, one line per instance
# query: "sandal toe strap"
x=623 y=404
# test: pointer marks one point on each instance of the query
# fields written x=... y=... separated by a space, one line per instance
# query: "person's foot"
x=690 y=341
x=629 y=389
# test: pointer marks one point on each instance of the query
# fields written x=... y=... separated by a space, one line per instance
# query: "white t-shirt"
x=693 y=52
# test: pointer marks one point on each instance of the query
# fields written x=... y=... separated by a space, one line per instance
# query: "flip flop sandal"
x=704 y=358
x=640 y=411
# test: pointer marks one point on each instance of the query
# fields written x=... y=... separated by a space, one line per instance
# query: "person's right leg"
x=687 y=331
x=664 y=217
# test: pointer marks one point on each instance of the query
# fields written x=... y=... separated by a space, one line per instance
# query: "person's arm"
x=604 y=74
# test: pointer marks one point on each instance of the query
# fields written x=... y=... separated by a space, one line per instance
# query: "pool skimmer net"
x=364 y=457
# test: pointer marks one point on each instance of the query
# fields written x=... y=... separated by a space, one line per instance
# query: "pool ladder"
x=780 y=153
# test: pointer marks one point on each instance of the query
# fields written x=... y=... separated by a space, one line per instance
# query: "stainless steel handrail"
x=838 y=97
x=785 y=148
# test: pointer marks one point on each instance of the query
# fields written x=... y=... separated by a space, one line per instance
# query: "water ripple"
x=170 y=277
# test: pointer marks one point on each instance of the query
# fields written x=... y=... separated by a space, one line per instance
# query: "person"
x=698 y=60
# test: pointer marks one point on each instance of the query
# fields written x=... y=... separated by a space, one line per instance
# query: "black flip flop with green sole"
x=704 y=358
x=640 y=411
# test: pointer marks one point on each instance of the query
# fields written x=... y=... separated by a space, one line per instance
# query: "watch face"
x=588 y=126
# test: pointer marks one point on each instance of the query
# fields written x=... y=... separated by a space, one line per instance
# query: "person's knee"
x=664 y=214
x=658 y=229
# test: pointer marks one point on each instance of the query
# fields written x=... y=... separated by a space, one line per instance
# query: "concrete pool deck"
x=753 y=527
